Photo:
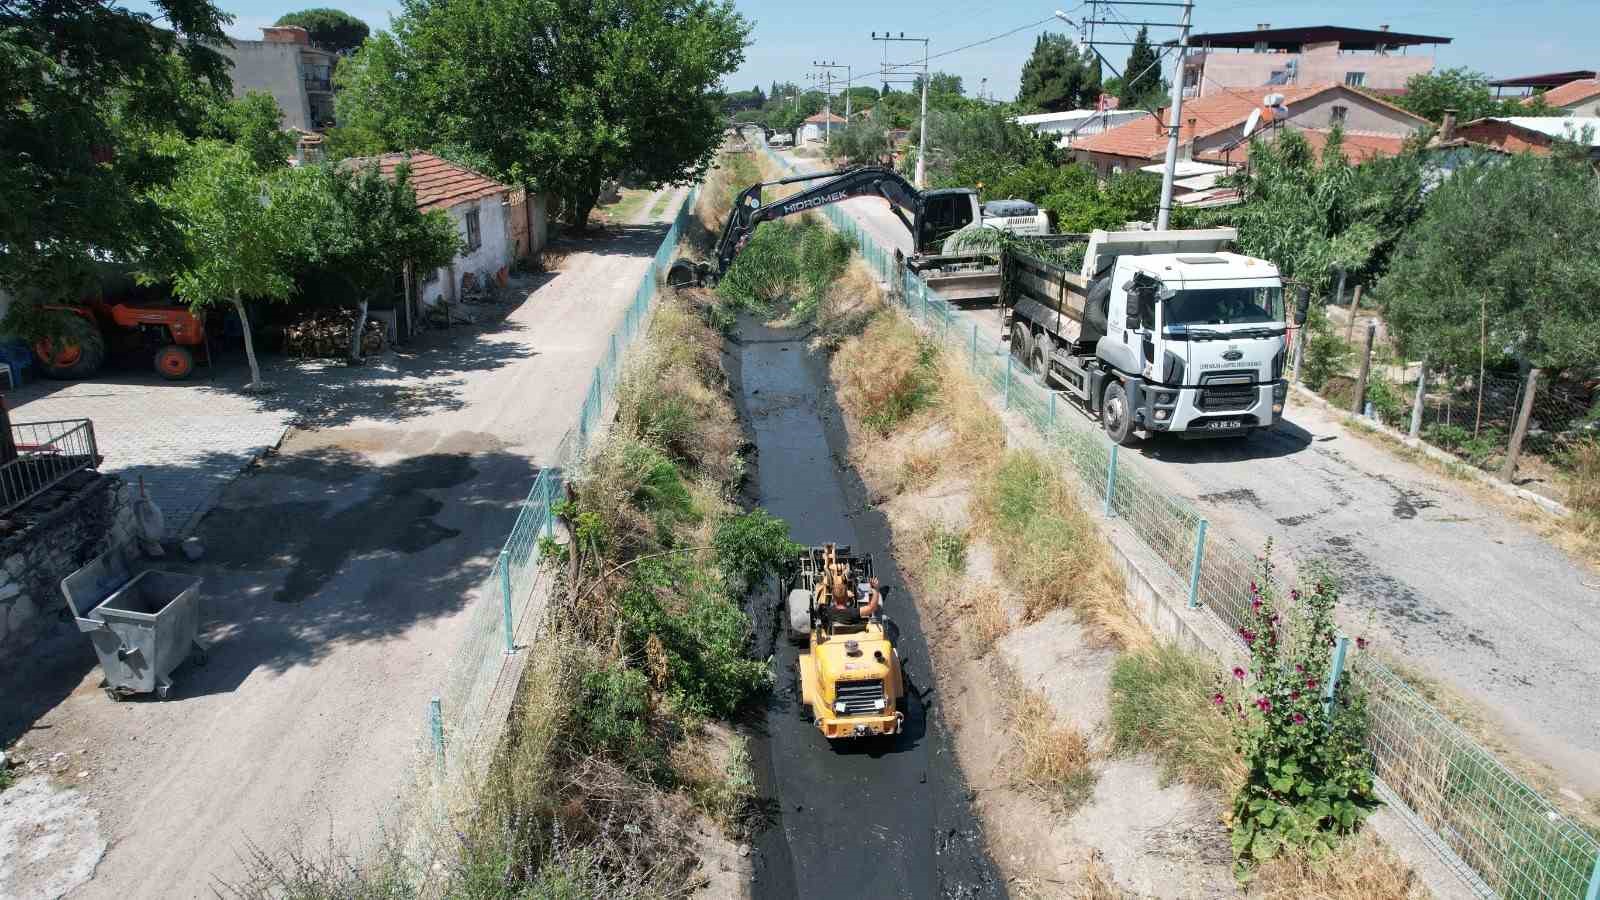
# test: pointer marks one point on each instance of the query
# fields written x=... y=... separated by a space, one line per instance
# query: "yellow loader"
x=852 y=684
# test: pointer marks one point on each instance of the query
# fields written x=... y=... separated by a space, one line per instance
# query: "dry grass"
x=1050 y=547
x=1161 y=704
x=1362 y=868
x=987 y=622
x=1046 y=756
x=886 y=374
x=848 y=306
x=1095 y=882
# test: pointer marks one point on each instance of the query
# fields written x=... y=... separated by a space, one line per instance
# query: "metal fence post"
x=1594 y=881
x=1335 y=672
x=505 y=601
x=1194 y=570
x=1052 y=409
x=974 y=340
x=1111 y=482
x=1008 y=381
x=436 y=726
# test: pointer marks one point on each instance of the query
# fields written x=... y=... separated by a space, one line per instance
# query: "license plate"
x=1224 y=424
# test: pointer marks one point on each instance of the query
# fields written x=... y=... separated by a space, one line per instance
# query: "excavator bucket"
x=685 y=272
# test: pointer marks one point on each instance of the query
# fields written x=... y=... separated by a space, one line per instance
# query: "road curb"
x=215 y=495
x=1553 y=507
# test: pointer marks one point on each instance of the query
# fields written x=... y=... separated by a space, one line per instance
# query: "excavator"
x=933 y=218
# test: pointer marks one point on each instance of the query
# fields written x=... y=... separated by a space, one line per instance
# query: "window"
x=1355 y=79
x=474 y=232
x=1336 y=117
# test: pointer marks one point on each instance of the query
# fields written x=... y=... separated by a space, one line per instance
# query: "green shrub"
x=660 y=492
x=795 y=262
x=1447 y=437
x=752 y=546
x=701 y=635
x=1386 y=401
x=1310 y=774
x=614 y=711
x=1326 y=353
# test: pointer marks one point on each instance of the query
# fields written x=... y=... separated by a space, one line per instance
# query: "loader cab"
x=943 y=213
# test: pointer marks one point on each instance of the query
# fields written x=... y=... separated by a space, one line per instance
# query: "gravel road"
x=867 y=820
x=1450 y=584
x=339 y=576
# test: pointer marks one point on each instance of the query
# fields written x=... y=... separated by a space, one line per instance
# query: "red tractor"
x=168 y=331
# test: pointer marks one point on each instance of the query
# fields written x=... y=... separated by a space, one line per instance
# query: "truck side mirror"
x=1302 y=304
x=1130 y=312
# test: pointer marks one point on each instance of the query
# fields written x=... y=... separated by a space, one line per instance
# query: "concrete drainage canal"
x=886 y=819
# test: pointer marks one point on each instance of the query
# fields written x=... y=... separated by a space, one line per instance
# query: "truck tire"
x=1040 y=364
x=1021 y=341
x=1116 y=415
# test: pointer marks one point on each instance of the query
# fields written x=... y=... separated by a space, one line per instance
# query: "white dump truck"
x=1153 y=332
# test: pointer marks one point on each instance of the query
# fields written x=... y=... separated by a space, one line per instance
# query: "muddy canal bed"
x=888 y=819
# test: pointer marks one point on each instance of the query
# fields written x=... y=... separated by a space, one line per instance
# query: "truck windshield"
x=1225 y=306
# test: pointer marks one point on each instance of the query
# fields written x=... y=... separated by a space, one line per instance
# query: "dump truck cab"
x=851 y=682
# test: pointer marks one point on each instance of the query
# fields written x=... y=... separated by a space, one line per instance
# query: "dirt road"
x=868 y=821
x=1450 y=584
x=339 y=577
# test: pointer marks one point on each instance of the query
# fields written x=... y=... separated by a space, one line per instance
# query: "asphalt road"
x=872 y=820
x=1447 y=583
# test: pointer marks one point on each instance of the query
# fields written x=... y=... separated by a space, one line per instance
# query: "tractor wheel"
x=71 y=358
x=174 y=363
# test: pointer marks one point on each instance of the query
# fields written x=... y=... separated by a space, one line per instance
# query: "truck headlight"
x=1280 y=390
x=838 y=706
x=879 y=704
x=1161 y=415
x=1166 y=398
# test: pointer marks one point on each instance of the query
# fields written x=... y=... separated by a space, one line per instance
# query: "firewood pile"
x=326 y=335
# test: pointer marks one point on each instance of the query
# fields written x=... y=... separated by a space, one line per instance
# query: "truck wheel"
x=1116 y=414
x=1042 y=348
x=174 y=363
x=1021 y=341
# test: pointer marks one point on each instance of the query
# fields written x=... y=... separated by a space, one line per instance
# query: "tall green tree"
x=1503 y=248
x=1142 y=85
x=331 y=29
x=87 y=84
x=1465 y=91
x=1059 y=76
x=237 y=234
x=253 y=122
x=557 y=95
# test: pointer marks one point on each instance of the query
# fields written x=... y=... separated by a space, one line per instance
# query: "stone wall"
x=52 y=537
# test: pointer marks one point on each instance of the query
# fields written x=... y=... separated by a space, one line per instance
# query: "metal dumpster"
x=143 y=625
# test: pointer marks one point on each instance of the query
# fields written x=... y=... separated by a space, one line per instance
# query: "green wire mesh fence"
x=1499 y=834
x=464 y=722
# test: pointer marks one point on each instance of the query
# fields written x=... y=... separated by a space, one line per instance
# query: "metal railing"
x=47 y=452
x=1492 y=828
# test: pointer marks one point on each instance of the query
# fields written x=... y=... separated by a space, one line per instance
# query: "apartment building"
x=1376 y=60
x=284 y=64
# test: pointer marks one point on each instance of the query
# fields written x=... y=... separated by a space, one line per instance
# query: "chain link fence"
x=464 y=722
x=1493 y=829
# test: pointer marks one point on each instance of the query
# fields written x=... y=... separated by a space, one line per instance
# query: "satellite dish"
x=1272 y=100
x=1251 y=123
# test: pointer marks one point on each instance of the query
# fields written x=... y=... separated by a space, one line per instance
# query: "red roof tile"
x=1571 y=92
x=822 y=117
x=439 y=183
x=1358 y=147
x=1145 y=138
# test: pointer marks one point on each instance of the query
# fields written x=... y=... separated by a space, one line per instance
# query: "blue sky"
x=1496 y=37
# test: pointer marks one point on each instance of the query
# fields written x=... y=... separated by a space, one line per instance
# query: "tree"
x=371 y=228
x=1058 y=76
x=333 y=30
x=87 y=84
x=1465 y=91
x=254 y=122
x=1141 y=77
x=558 y=95
x=1497 y=260
x=236 y=239
x=862 y=141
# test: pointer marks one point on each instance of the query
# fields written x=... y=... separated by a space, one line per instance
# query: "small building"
x=284 y=64
x=1213 y=128
x=498 y=223
x=1075 y=124
x=817 y=127
x=1566 y=91
x=1517 y=134
x=1372 y=59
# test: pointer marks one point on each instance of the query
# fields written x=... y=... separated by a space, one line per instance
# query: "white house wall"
x=492 y=255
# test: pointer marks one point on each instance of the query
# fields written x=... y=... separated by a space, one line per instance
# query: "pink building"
x=1374 y=60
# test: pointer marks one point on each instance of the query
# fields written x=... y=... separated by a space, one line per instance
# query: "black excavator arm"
x=748 y=212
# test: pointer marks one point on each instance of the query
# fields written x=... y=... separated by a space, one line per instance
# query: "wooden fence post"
x=1416 y=403
x=1512 y=452
x=1355 y=303
x=1366 y=367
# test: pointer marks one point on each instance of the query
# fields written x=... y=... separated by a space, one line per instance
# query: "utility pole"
x=1096 y=17
x=830 y=65
x=1164 y=213
x=922 y=140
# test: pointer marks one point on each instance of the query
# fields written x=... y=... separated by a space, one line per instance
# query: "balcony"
x=47 y=452
x=318 y=85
